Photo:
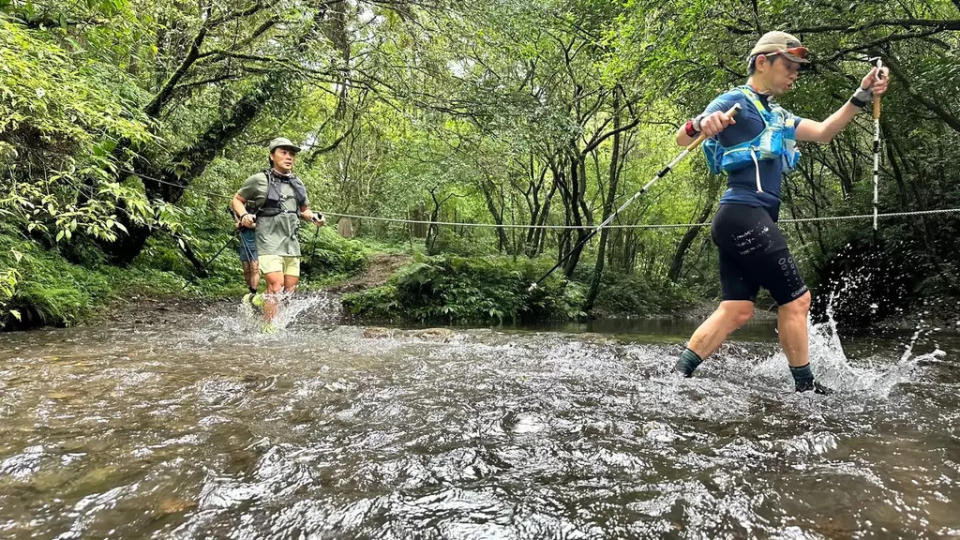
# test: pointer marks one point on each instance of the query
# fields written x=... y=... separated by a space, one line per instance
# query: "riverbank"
x=377 y=287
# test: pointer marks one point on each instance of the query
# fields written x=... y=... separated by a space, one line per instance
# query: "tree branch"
x=947 y=24
x=877 y=43
x=163 y=96
x=950 y=119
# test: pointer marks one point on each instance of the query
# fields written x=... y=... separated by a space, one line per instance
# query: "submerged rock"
x=172 y=505
x=376 y=332
x=436 y=334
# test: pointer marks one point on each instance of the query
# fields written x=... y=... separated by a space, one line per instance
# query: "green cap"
x=283 y=142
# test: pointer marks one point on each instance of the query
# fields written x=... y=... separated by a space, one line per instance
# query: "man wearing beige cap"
x=755 y=149
x=278 y=200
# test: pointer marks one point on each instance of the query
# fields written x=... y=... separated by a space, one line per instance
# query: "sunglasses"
x=799 y=52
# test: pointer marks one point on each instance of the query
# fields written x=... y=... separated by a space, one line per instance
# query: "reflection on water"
x=206 y=428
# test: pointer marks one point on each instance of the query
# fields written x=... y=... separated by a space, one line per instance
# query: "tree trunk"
x=168 y=184
x=676 y=263
x=577 y=204
x=614 y=177
x=487 y=187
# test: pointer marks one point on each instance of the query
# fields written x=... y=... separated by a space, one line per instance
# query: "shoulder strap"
x=299 y=189
x=753 y=97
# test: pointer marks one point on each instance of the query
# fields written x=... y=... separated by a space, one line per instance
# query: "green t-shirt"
x=276 y=235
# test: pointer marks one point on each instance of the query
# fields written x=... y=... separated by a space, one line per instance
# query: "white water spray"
x=316 y=307
x=873 y=375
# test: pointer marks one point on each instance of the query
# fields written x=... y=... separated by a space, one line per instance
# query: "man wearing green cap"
x=755 y=149
x=279 y=200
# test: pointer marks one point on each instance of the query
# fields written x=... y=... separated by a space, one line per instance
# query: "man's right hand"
x=248 y=220
x=715 y=122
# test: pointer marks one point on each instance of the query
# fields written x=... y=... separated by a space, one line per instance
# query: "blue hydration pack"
x=777 y=140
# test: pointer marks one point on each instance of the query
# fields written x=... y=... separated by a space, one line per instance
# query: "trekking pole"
x=223 y=247
x=876 y=145
x=313 y=243
x=663 y=172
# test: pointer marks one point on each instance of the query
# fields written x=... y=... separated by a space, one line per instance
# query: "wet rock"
x=434 y=334
x=72 y=446
x=376 y=332
x=173 y=505
x=96 y=480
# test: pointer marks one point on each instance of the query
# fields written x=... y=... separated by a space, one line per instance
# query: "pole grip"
x=876 y=99
x=700 y=138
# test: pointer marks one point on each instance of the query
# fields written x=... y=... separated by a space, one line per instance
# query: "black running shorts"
x=754 y=254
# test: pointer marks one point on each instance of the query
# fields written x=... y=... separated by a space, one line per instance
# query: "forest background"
x=126 y=125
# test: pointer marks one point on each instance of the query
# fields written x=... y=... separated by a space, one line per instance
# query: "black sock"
x=802 y=377
x=688 y=362
x=253 y=290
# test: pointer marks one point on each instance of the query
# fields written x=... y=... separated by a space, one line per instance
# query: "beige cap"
x=283 y=142
x=781 y=42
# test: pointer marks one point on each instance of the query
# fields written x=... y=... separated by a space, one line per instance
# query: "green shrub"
x=326 y=253
x=478 y=290
x=48 y=289
x=637 y=295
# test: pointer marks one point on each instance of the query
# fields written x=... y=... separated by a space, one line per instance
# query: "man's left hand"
x=318 y=219
x=877 y=85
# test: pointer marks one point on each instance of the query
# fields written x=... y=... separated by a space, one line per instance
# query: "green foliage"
x=486 y=111
x=9 y=279
x=326 y=253
x=458 y=289
x=60 y=118
x=641 y=296
x=45 y=289
x=378 y=303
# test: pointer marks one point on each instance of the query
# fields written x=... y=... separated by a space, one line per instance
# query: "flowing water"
x=198 y=426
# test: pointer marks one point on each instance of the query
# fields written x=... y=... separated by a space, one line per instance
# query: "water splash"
x=317 y=307
x=320 y=306
x=831 y=366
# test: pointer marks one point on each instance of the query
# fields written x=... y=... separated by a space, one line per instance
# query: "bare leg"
x=290 y=283
x=730 y=315
x=792 y=325
x=274 y=288
x=251 y=271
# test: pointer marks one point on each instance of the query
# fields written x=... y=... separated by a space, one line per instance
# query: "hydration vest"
x=272 y=207
x=777 y=140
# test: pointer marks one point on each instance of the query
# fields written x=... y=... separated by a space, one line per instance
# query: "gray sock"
x=688 y=362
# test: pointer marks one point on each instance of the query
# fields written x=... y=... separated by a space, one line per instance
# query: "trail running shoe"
x=247 y=299
x=269 y=328
x=816 y=387
x=257 y=300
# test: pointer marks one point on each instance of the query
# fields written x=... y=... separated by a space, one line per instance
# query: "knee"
x=798 y=306
x=274 y=285
x=738 y=315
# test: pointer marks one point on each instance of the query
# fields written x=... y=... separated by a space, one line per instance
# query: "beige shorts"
x=290 y=266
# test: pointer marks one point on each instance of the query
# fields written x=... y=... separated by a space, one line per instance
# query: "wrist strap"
x=861 y=97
